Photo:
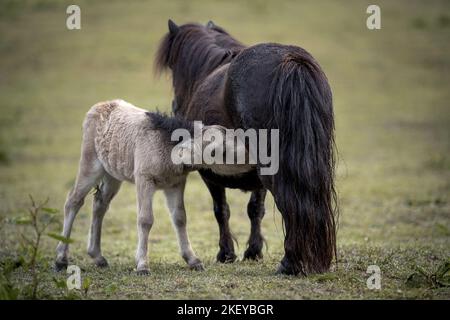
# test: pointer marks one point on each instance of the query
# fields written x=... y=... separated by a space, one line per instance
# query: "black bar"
x=226 y=309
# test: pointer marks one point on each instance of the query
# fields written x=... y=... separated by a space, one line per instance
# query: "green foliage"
x=86 y=285
x=65 y=293
x=31 y=229
x=38 y=220
x=8 y=291
x=423 y=278
x=59 y=237
x=326 y=277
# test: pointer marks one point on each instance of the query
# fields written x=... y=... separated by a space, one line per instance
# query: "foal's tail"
x=304 y=185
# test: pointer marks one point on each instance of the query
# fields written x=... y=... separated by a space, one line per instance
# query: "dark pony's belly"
x=248 y=181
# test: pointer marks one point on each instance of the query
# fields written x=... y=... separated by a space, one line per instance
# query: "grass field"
x=391 y=98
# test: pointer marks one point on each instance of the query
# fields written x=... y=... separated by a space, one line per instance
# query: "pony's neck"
x=197 y=56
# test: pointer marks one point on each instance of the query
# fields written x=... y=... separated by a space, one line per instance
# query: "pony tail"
x=304 y=185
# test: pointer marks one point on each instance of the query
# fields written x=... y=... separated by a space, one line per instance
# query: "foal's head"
x=210 y=148
x=191 y=52
x=194 y=144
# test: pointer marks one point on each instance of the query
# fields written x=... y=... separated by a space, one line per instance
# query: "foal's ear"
x=210 y=24
x=173 y=28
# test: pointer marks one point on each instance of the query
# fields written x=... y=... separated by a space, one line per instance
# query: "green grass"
x=391 y=97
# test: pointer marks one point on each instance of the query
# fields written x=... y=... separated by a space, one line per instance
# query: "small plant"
x=86 y=285
x=68 y=294
x=439 y=278
x=39 y=219
x=64 y=291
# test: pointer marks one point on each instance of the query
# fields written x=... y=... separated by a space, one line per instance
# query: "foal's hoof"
x=226 y=257
x=101 y=262
x=143 y=272
x=197 y=266
x=60 y=265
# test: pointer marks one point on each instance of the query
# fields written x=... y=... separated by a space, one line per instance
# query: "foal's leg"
x=145 y=191
x=175 y=202
x=90 y=171
x=255 y=211
x=222 y=212
x=106 y=191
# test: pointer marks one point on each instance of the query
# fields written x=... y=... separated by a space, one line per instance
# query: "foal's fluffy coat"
x=124 y=143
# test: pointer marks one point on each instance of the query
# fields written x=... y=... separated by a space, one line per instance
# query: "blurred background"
x=391 y=99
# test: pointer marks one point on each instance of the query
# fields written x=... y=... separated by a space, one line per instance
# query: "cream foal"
x=124 y=143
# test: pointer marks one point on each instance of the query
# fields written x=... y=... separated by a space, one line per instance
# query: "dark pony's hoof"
x=253 y=254
x=60 y=265
x=286 y=269
x=226 y=257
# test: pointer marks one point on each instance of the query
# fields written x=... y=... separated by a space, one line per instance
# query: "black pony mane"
x=192 y=53
x=167 y=124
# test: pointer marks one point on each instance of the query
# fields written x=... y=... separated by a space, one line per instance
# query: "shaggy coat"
x=124 y=143
x=219 y=80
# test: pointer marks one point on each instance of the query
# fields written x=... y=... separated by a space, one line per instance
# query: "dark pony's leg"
x=255 y=211
x=222 y=212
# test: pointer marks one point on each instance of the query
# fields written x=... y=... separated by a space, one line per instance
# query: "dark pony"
x=218 y=80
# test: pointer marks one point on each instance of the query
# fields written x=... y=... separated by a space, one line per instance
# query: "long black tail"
x=304 y=185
